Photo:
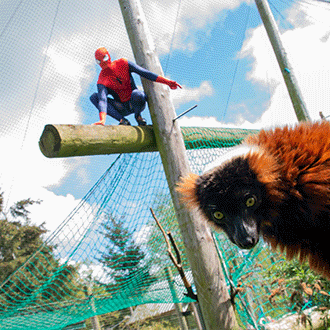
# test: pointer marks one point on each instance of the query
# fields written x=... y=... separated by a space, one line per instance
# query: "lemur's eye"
x=250 y=201
x=218 y=215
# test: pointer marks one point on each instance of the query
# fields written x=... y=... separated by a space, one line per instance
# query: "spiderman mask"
x=103 y=58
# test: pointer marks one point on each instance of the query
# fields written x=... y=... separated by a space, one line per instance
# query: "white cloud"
x=94 y=271
x=187 y=94
x=64 y=65
x=48 y=210
x=52 y=79
x=196 y=121
x=26 y=173
x=188 y=18
x=141 y=237
x=69 y=67
x=308 y=48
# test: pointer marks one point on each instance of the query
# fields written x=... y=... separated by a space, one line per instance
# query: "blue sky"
x=217 y=50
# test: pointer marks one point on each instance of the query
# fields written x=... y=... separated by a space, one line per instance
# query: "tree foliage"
x=124 y=259
x=29 y=271
x=18 y=241
x=298 y=285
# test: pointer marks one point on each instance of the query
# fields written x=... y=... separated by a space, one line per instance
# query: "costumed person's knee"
x=94 y=99
x=138 y=99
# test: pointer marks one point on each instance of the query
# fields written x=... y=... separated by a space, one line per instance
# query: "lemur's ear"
x=187 y=189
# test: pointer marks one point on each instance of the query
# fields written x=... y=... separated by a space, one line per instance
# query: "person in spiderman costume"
x=116 y=79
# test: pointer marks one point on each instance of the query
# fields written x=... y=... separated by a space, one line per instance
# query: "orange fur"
x=268 y=172
x=187 y=190
x=300 y=156
x=293 y=163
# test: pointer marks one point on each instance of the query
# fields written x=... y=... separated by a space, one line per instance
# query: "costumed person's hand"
x=102 y=119
x=170 y=83
x=173 y=84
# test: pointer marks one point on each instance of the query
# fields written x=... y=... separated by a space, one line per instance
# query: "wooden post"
x=210 y=283
x=196 y=314
x=86 y=140
x=286 y=69
x=94 y=319
x=177 y=306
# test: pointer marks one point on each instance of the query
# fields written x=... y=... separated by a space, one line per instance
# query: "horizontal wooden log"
x=86 y=140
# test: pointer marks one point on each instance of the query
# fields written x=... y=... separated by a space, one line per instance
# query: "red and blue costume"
x=116 y=80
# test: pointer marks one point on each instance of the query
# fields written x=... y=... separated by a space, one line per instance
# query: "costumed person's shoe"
x=124 y=121
x=141 y=122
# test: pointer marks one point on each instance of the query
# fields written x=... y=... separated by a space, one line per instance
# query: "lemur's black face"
x=234 y=213
x=230 y=197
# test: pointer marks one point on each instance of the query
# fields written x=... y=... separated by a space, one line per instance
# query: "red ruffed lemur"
x=275 y=184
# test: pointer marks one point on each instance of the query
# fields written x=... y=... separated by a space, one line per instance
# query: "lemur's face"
x=230 y=196
x=234 y=212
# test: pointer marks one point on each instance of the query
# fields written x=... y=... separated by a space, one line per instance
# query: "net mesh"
x=109 y=254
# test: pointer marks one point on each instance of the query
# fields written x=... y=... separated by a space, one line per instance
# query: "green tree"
x=17 y=240
x=124 y=259
x=29 y=271
x=126 y=264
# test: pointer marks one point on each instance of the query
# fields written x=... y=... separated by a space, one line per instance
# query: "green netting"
x=109 y=254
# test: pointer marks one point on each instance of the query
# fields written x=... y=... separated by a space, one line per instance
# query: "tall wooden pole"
x=282 y=59
x=211 y=286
